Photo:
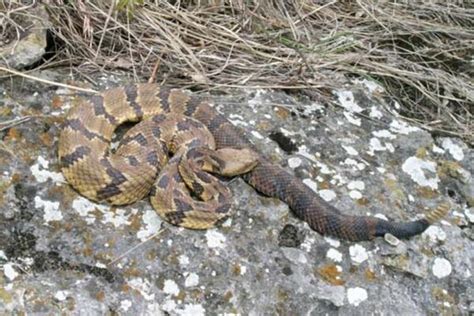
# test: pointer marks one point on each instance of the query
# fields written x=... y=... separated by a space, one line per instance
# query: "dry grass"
x=421 y=51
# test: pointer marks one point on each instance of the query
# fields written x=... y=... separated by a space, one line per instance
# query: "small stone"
x=441 y=268
x=356 y=295
x=9 y=271
x=334 y=255
x=392 y=240
x=191 y=280
x=332 y=293
x=170 y=287
x=358 y=254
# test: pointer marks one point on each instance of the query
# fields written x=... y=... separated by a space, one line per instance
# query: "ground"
x=60 y=253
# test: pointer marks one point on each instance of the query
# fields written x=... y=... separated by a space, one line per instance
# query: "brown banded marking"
x=82 y=146
x=130 y=172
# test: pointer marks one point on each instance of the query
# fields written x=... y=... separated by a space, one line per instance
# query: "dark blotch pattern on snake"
x=203 y=142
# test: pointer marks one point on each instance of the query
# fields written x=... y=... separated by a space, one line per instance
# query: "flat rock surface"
x=60 y=253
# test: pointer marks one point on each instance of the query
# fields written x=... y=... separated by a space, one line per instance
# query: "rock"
x=72 y=256
x=21 y=52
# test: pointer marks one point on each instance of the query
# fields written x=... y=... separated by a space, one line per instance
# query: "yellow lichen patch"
x=236 y=269
x=331 y=274
x=370 y=274
x=448 y=168
x=263 y=126
x=363 y=201
x=394 y=188
x=47 y=139
x=227 y=296
x=100 y=296
x=13 y=134
x=400 y=262
x=135 y=222
x=5 y=297
x=427 y=192
x=181 y=295
x=282 y=295
x=324 y=185
x=446 y=303
x=125 y=288
x=132 y=272
x=57 y=102
x=5 y=111
x=421 y=153
x=4 y=185
x=152 y=255
x=282 y=112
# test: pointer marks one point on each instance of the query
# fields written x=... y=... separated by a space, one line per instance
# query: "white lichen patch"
x=441 y=268
x=383 y=133
x=356 y=295
x=333 y=242
x=258 y=99
x=376 y=145
x=294 y=162
x=303 y=151
x=454 y=150
x=401 y=127
x=469 y=215
x=125 y=305
x=237 y=120
x=142 y=286
x=324 y=169
x=191 y=310
x=355 y=195
x=51 y=209
x=347 y=101
x=350 y=150
x=169 y=306
x=192 y=279
x=327 y=195
x=437 y=150
x=60 y=296
x=84 y=206
x=183 y=260
x=257 y=135
x=41 y=173
x=287 y=132
x=308 y=243
x=372 y=86
x=352 y=119
x=151 y=225
x=311 y=184
x=355 y=163
x=375 y=113
x=9 y=272
x=334 y=254
x=170 y=287
x=381 y=216
x=358 y=254
x=215 y=239
x=434 y=233
x=356 y=185
x=117 y=218
x=416 y=167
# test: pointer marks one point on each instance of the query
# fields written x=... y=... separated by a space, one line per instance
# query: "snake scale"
x=202 y=144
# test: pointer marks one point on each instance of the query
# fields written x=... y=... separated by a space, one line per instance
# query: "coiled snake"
x=203 y=142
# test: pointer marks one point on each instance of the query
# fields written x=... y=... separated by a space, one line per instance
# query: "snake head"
x=232 y=162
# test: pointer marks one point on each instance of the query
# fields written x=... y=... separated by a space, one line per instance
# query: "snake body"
x=202 y=141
